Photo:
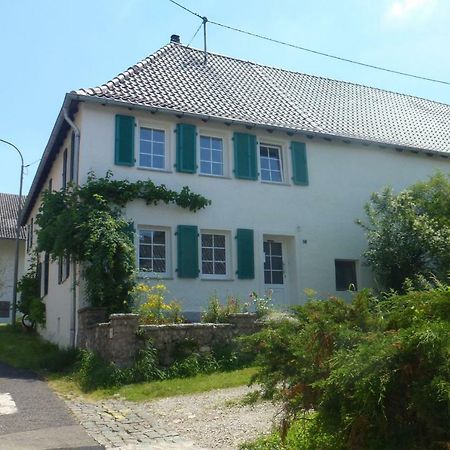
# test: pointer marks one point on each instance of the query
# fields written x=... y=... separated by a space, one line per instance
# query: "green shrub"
x=216 y=312
x=376 y=372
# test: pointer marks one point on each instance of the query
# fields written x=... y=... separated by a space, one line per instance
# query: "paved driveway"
x=32 y=417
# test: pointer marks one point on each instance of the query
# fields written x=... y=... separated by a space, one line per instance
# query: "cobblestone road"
x=120 y=424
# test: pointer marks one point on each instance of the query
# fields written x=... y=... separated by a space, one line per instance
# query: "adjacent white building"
x=287 y=159
x=9 y=204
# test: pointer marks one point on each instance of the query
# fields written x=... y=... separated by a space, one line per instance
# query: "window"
x=270 y=162
x=345 y=275
x=153 y=251
x=64 y=169
x=46 y=272
x=273 y=262
x=4 y=309
x=211 y=155
x=214 y=255
x=152 y=148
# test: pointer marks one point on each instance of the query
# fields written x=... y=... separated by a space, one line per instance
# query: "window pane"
x=205 y=154
x=159 y=265
x=158 y=148
x=158 y=136
x=277 y=263
x=145 y=264
x=205 y=141
x=217 y=169
x=219 y=254
x=277 y=277
x=146 y=147
x=145 y=236
x=158 y=162
x=265 y=175
x=159 y=251
x=146 y=133
x=159 y=237
x=219 y=240
x=207 y=254
x=276 y=176
x=265 y=163
x=145 y=160
x=207 y=268
x=219 y=268
x=267 y=277
x=205 y=167
x=273 y=153
x=264 y=152
x=216 y=143
x=275 y=164
x=145 y=251
x=216 y=156
x=275 y=248
x=207 y=240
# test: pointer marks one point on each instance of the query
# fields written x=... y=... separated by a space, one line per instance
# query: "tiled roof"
x=175 y=78
x=8 y=216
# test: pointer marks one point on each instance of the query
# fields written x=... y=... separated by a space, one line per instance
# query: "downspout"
x=76 y=159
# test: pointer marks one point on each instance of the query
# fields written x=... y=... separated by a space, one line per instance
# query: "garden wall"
x=122 y=337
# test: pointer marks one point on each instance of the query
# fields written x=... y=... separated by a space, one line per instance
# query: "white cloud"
x=410 y=9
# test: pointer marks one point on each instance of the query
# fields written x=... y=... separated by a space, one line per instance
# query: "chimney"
x=175 y=38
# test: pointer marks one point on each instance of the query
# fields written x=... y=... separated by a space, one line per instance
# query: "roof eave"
x=294 y=131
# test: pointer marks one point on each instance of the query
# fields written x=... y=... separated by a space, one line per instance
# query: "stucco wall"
x=316 y=221
x=7 y=258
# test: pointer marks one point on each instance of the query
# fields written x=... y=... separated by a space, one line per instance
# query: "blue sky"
x=50 y=47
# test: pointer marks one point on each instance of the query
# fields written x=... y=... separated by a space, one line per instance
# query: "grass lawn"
x=28 y=351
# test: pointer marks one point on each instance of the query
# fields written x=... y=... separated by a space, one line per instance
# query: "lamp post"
x=16 y=260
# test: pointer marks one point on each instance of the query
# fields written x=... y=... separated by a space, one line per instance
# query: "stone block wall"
x=122 y=337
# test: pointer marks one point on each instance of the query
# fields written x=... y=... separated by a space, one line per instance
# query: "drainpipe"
x=73 y=316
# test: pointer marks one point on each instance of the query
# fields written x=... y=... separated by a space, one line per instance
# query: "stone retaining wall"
x=120 y=339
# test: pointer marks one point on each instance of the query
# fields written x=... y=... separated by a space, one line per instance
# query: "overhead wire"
x=195 y=34
x=309 y=50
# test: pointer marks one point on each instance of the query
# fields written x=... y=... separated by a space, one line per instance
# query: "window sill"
x=208 y=175
x=216 y=279
x=156 y=276
x=274 y=183
x=153 y=169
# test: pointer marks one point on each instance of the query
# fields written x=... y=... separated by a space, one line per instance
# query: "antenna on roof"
x=205 y=54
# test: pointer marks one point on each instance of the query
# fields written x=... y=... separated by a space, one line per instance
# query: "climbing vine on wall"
x=86 y=223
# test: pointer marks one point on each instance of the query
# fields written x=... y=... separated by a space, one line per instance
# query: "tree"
x=408 y=233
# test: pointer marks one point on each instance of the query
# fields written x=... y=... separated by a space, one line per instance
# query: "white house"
x=9 y=204
x=287 y=159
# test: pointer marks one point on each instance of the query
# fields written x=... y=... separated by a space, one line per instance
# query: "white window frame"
x=168 y=131
x=228 y=260
x=168 y=245
x=283 y=160
x=212 y=133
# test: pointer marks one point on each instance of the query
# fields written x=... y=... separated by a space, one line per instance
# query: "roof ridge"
x=126 y=74
x=314 y=76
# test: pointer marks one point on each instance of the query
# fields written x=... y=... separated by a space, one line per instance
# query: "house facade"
x=9 y=204
x=288 y=161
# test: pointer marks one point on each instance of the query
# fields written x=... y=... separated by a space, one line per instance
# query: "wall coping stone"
x=178 y=326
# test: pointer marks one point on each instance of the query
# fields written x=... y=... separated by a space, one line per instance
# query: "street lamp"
x=16 y=260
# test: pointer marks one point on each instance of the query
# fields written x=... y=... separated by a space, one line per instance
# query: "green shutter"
x=186 y=148
x=124 y=155
x=245 y=156
x=245 y=254
x=187 y=243
x=299 y=163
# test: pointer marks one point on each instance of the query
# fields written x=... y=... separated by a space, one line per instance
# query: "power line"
x=316 y=52
x=195 y=34
x=186 y=9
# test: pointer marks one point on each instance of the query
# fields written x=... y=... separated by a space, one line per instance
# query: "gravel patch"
x=216 y=419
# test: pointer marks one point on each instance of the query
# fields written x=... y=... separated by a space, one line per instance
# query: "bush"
x=216 y=312
x=377 y=373
x=153 y=307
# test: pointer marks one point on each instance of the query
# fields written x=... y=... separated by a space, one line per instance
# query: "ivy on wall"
x=86 y=223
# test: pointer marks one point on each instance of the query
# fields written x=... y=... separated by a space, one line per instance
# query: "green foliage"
x=152 y=306
x=30 y=302
x=86 y=224
x=216 y=312
x=376 y=372
x=409 y=233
